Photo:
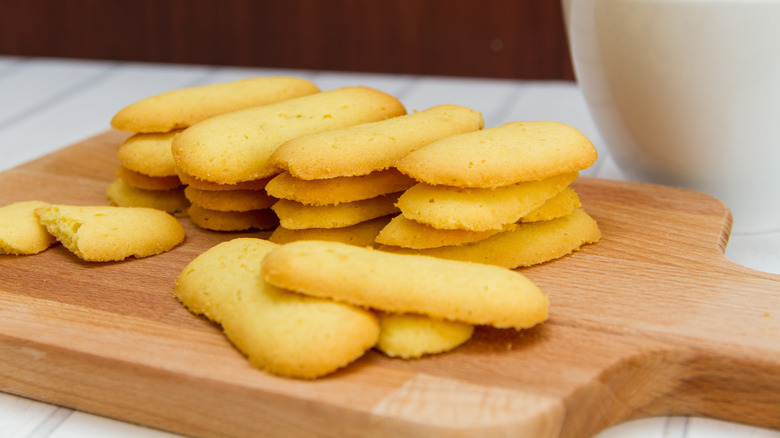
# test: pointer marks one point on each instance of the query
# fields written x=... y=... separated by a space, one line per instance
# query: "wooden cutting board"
x=652 y=320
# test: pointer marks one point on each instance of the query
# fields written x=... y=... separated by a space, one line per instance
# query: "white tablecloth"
x=46 y=104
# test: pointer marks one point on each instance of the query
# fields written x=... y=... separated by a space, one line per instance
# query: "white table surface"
x=47 y=104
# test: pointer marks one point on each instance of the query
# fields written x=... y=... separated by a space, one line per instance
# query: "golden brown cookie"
x=184 y=107
x=20 y=231
x=191 y=181
x=145 y=182
x=122 y=194
x=360 y=234
x=103 y=233
x=237 y=146
x=149 y=154
x=411 y=336
x=495 y=157
x=338 y=190
x=528 y=244
x=559 y=205
x=476 y=209
x=296 y=216
x=229 y=200
x=445 y=289
x=410 y=234
x=281 y=332
x=214 y=220
x=369 y=147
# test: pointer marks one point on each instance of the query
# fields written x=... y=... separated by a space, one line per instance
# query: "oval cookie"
x=366 y=148
x=360 y=234
x=508 y=154
x=149 y=154
x=229 y=200
x=263 y=219
x=296 y=216
x=528 y=244
x=20 y=231
x=279 y=331
x=102 y=233
x=475 y=209
x=559 y=205
x=338 y=190
x=122 y=194
x=191 y=181
x=457 y=291
x=410 y=234
x=184 y=107
x=410 y=336
x=237 y=146
x=146 y=182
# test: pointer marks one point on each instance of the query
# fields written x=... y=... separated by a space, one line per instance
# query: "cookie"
x=338 y=190
x=369 y=147
x=20 y=231
x=191 y=181
x=296 y=216
x=500 y=156
x=528 y=244
x=476 y=209
x=472 y=293
x=559 y=205
x=121 y=194
x=106 y=233
x=360 y=234
x=410 y=336
x=237 y=146
x=263 y=219
x=149 y=154
x=281 y=332
x=184 y=107
x=229 y=200
x=145 y=182
x=410 y=234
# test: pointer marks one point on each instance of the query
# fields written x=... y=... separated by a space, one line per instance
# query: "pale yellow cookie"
x=410 y=234
x=338 y=190
x=191 y=181
x=263 y=219
x=20 y=231
x=229 y=200
x=234 y=147
x=141 y=181
x=410 y=336
x=559 y=205
x=477 y=209
x=508 y=154
x=361 y=234
x=106 y=233
x=296 y=216
x=369 y=147
x=279 y=331
x=149 y=154
x=184 y=107
x=528 y=244
x=122 y=194
x=445 y=289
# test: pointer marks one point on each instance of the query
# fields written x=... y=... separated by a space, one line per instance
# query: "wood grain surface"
x=651 y=320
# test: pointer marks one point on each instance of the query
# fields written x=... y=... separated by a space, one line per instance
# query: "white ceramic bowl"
x=687 y=93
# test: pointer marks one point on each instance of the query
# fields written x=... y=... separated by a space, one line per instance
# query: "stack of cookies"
x=148 y=176
x=499 y=196
x=342 y=185
x=226 y=160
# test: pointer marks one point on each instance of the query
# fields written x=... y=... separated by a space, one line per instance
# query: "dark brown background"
x=484 y=38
